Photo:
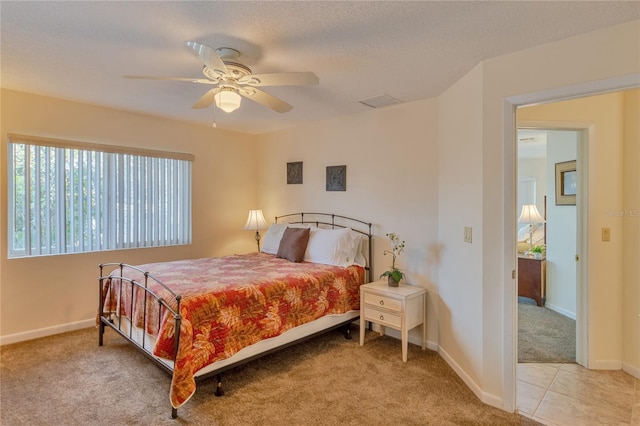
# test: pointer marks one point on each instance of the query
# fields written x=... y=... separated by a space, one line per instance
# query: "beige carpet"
x=69 y=380
x=545 y=335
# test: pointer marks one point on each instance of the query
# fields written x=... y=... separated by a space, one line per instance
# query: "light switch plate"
x=468 y=234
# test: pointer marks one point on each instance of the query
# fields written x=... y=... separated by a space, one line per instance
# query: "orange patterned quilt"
x=231 y=302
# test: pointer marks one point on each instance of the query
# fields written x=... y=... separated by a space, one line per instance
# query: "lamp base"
x=258 y=239
x=530 y=239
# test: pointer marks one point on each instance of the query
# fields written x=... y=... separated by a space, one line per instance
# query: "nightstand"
x=401 y=308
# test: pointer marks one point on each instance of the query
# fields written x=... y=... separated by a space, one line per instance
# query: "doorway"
x=548 y=244
x=607 y=314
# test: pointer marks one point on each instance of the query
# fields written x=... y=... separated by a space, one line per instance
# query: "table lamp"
x=530 y=215
x=256 y=222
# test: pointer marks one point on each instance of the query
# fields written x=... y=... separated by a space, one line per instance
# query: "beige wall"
x=392 y=180
x=460 y=192
x=51 y=291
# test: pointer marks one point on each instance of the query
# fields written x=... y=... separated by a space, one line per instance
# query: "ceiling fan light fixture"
x=231 y=80
x=227 y=100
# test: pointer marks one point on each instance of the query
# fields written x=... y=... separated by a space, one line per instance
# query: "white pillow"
x=271 y=240
x=337 y=247
x=357 y=241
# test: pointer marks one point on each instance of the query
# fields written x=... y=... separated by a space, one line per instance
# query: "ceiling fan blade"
x=207 y=55
x=206 y=99
x=281 y=79
x=263 y=98
x=152 y=77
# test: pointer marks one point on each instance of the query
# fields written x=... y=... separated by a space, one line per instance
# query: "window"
x=72 y=197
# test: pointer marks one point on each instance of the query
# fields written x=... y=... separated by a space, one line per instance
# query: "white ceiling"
x=407 y=50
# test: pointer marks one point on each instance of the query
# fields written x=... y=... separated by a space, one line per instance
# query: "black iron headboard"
x=335 y=221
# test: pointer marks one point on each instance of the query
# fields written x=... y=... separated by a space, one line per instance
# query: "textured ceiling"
x=359 y=50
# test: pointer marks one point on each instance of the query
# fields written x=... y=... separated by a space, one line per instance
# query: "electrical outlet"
x=606 y=234
x=468 y=234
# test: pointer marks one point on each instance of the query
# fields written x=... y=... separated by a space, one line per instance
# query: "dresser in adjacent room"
x=531 y=278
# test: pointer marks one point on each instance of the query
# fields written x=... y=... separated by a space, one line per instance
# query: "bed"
x=197 y=318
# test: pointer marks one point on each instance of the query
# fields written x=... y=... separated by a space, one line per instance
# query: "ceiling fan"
x=233 y=80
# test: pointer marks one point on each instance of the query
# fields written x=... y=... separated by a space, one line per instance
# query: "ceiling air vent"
x=381 y=101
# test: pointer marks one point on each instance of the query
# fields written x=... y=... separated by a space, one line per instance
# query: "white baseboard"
x=493 y=400
x=47 y=331
x=560 y=310
x=631 y=369
x=605 y=364
x=487 y=398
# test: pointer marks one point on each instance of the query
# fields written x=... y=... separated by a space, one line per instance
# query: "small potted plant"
x=537 y=252
x=394 y=275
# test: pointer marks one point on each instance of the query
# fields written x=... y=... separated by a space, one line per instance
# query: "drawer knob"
x=382 y=317
x=381 y=302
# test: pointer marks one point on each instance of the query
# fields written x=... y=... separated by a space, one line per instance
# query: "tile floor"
x=569 y=394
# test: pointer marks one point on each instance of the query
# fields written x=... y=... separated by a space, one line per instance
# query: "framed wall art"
x=566 y=183
x=294 y=173
x=336 y=178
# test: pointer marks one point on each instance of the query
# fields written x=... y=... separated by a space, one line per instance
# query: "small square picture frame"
x=566 y=183
x=294 y=173
x=336 y=178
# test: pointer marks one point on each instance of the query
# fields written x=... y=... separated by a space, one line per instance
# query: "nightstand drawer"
x=380 y=316
x=382 y=302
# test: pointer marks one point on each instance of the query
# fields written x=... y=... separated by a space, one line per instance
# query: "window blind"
x=71 y=197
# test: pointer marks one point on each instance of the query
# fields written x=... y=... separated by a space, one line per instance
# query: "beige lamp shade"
x=530 y=214
x=255 y=221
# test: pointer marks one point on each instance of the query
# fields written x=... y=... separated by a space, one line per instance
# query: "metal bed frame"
x=106 y=319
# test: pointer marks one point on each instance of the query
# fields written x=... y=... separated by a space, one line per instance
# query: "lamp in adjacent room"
x=530 y=215
x=227 y=99
x=256 y=222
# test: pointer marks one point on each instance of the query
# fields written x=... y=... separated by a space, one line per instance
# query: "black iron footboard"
x=115 y=319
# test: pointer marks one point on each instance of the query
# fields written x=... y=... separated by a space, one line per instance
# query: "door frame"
x=509 y=285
